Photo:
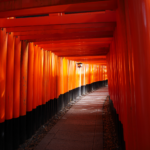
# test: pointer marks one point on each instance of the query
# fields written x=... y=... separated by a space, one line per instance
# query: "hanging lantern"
x=79 y=65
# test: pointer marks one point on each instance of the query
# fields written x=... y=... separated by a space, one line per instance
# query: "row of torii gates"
x=42 y=43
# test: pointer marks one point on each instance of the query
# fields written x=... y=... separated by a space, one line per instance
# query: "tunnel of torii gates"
x=41 y=44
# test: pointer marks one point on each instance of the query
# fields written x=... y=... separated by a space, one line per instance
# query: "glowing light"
x=79 y=65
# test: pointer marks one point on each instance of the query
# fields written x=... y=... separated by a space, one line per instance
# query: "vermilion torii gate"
x=41 y=43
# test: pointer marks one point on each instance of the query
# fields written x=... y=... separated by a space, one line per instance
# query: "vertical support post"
x=138 y=22
x=3 y=56
x=16 y=103
x=23 y=89
x=48 y=85
x=37 y=84
x=9 y=92
x=35 y=97
x=50 y=81
x=44 y=86
x=30 y=90
x=53 y=82
x=40 y=59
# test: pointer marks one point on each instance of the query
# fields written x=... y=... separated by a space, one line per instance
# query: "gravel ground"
x=110 y=138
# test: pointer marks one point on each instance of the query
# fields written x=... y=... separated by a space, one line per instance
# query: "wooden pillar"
x=30 y=90
x=23 y=89
x=35 y=88
x=138 y=22
x=48 y=85
x=9 y=92
x=16 y=96
x=3 y=56
x=40 y=59
x=44 y=92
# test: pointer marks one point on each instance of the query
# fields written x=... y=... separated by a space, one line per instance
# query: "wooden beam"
x=74 y=45
x=108 y=16
x=88 y=57
x=67 y=36
x=62 y=27
x=66 y=31
x=32 y=5
x=79 y=54
x=100 y=40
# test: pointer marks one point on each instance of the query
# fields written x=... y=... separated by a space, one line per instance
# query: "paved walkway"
x=81 y=128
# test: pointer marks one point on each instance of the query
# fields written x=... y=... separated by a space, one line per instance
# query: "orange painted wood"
x=35 y=78
x=68 y=36
x=108 y=16
x=79 y=7
x=9 y=77
x=62 y=27
x=23 y=77
x=30 y=77
x=44 y=93
x=138 y=50
x=40 y=75
x=60 y=31
x=37 y=74
x=17 y=64
x=55 y=77
x=48 y=75
x=3 y=56
x=33 y=4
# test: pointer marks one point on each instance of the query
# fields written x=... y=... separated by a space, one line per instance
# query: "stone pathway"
x=81 y=128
